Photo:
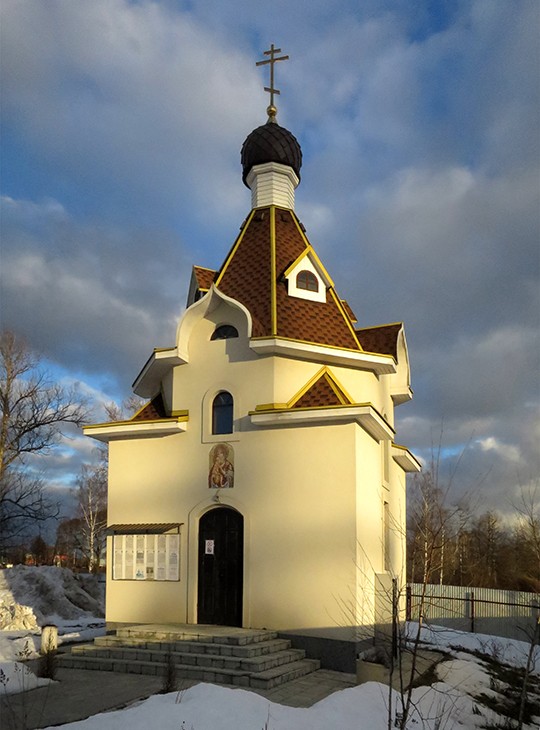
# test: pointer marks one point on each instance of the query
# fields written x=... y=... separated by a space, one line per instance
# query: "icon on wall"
x=221 y=467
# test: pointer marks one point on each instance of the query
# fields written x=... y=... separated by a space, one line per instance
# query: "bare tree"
x=92 y=510
x=92 y=494
x=34 y=412
x=527 y=535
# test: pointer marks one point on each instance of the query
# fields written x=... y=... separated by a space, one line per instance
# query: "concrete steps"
x=242 y=658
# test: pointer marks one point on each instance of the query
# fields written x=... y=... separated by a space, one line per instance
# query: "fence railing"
x=512 y=614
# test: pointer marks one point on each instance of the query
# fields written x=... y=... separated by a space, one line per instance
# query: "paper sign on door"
x=208 y=547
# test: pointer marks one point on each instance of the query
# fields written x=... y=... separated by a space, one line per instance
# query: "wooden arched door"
x=221 y=567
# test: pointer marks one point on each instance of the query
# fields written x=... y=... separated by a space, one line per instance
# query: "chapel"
x=261 y=484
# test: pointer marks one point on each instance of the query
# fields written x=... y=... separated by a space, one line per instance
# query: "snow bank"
x=32 y=596
x=507 y=651
x=16 y=677
x=208 y=707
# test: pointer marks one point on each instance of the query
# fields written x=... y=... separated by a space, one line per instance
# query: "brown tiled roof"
x=204 y=277
x=249 y=277
x=152 y=411
x=382 y=340
x=246 y=274
x=320 y=394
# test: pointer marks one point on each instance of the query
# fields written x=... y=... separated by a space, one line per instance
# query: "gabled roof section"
x=382 y=339
x=253 y=274
x=201 y=281
x=205 y=277
x=152 y=411
x=322 y=390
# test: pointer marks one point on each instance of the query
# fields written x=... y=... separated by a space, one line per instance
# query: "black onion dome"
x=270 y=143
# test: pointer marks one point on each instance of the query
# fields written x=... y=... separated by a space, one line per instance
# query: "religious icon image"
x=221 y=467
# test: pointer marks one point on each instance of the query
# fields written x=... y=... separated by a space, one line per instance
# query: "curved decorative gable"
x=199 y=310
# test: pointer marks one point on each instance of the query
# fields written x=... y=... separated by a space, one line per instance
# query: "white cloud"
x=419 y=186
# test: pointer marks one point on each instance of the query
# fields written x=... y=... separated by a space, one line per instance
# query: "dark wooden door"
x=221 y=567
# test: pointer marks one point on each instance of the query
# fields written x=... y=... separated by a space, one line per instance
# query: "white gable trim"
x=306 y=264
x=401 y=391
x=198 y=311
x=148 y=382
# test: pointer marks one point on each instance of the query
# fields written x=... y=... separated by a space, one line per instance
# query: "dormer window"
x=307 y=280
x=224 y=332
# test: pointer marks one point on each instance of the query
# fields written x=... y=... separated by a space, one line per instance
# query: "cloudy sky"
x=419 y=123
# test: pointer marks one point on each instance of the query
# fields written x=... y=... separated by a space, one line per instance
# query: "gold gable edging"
x=346 y=317
x=332 y=381
x=341 y=395
x=139 y=410
x=234 y=248
x=311 y=250
x=273 y=292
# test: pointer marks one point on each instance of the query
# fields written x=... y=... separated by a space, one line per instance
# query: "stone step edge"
x=286 y=656
x=269 y=680
x=192 y=647
x=255 y=637
x=262 y=680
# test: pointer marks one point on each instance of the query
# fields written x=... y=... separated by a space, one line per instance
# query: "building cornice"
x=137 y=429
x=379 y=364
x=362 y=413
x=406 y=460
x=148 y=381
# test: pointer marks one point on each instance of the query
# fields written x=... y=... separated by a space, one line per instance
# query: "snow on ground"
x=209 y=707
x=53 y=594
x=456 y=700
x=508 y=651
x=32 y=597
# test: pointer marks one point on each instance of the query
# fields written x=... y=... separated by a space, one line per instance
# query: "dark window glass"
x=307 y=280
x=224 y=332
x=222 y=413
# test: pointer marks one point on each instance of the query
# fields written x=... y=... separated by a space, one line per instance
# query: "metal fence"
x=512 y=614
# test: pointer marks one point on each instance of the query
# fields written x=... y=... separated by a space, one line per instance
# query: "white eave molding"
x=148 y=381
x=136 y=429
x=406 y=460
x=379 y=364
x=364 y=414
x=401 y=395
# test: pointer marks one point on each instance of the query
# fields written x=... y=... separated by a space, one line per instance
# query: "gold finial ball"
x=271 y=111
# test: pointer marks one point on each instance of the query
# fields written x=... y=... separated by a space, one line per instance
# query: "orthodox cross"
x=272 y=111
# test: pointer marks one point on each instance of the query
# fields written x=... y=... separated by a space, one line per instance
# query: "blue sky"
x=122 y=124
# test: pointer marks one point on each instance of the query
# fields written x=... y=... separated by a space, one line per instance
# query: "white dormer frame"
x=308 y=261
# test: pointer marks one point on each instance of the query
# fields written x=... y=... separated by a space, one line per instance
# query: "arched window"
x=222 y=413
x=224 y=332
x=307 y=280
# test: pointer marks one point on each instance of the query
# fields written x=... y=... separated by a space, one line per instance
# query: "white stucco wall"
x=311 y=496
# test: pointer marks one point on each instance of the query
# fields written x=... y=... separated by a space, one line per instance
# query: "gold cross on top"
x=272 y=111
